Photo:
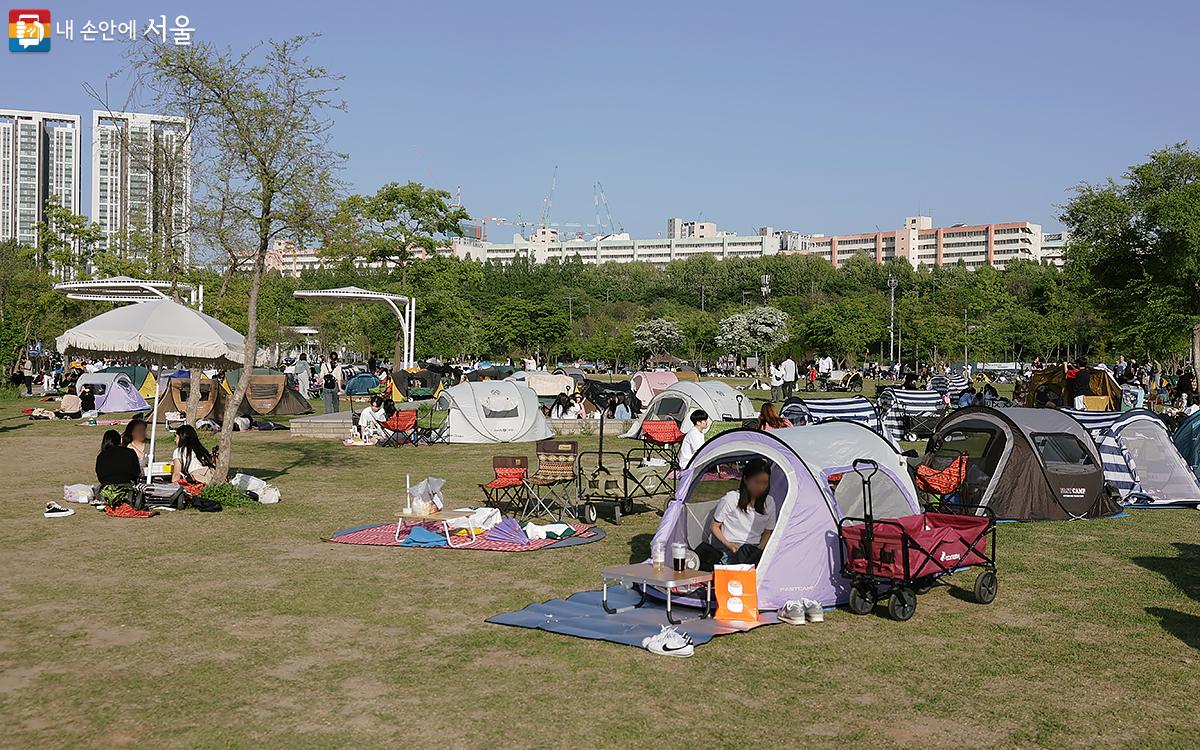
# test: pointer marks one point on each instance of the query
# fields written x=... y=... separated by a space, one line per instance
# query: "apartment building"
x=39 y=164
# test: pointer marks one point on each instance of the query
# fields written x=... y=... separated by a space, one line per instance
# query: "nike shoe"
x=814 y=611
x=54 y=510
x=792 y=612
x=669 y=642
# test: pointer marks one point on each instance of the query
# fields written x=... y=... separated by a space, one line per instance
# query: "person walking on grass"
x=303 y=372
x=331 y=383
x=776 y=373
x=789 y=376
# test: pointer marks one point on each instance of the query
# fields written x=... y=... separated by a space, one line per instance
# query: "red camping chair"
x=942 y=482
x=662 y=438
x=507 y=488
x=400 y=428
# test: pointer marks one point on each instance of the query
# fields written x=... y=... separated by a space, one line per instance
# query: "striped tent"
x=898 y=408
x=1138 y=457
x=952 y=385
x=801 y=411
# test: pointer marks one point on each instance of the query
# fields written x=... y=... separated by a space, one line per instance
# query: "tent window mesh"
x=500 y=413
x=1061 y=449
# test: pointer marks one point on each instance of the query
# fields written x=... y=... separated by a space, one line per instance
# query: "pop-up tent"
x=802 y=411
x=951 y=385
x=813 y=485
x=268 y=394
x=499 y=411
x=1139 y=458
x=576 y=374
x=600 y=392
x=141 y=377
x=113 y=391
x=361 y=384
x=718 y=400
x=212 y=399
x=904 y=411
x=1048 y=387
x=1024 y=464
x=492 y=372
x=545 y=385
x=647 y=385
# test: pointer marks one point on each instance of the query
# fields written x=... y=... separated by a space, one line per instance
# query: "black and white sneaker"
x=54 y=510
x=669 y=642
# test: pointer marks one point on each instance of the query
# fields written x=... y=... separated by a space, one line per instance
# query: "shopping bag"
x=737 y=592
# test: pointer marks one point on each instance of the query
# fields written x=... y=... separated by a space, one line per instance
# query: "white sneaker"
x=814 y=611
x=54 y=510
x=792 y=612
x=669 y=642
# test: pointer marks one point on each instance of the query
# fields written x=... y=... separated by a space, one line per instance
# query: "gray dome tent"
x=1024 y=464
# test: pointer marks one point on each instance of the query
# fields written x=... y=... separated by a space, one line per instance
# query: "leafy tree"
x=262 y=128
x=657 y=336
x=1136 y=244
x=761 y=329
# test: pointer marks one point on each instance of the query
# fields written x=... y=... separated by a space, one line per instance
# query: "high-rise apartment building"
x=141 y=183
x=39 y=163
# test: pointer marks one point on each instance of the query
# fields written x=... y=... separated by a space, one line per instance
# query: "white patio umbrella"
x=159 y=332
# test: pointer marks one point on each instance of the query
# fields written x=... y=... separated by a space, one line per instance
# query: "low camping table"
x=444 y=517
x=665 y=578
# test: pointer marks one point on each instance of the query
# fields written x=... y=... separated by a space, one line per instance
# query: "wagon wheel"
x=587 y=513
x=627 y=506
x=856 y=386
x=924 y=585
x=862 y=600
x=985 y=587
x=902 y=604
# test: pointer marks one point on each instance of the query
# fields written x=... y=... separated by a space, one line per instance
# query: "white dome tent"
x=493 y=411
x=677 y=402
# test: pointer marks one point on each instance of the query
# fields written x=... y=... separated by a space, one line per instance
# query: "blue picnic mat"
x=581 y=615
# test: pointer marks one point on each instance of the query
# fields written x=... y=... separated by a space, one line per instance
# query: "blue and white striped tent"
x=801 y=411
x=1139 y=458
x=896 y=406
x=952 y=385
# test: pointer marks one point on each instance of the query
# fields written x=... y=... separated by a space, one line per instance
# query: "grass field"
x=245 y=629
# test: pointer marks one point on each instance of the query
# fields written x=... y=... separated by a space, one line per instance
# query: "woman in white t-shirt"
x=191 y=462
x=744 y=518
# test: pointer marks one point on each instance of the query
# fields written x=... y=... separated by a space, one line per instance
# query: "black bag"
x=205 y=505
x=330 y=381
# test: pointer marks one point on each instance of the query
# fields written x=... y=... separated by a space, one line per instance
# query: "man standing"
x=331 y=383
x=303 y=373
x=825 y=369
x=1080 y=385
x=27 y=375
x=789 y=376
x=776 y=372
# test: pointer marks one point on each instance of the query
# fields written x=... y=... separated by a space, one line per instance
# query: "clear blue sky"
x=822 y=117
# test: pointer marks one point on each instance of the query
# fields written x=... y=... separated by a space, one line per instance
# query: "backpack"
x=330 y=381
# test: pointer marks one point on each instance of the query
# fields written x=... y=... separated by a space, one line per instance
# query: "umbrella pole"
x=154 y=423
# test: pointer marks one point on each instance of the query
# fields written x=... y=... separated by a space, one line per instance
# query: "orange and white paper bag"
x=737 y=592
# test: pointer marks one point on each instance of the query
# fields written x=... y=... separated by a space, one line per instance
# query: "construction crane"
x=549 y=199
x=599 y=197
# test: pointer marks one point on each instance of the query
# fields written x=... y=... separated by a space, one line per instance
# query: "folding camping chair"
x=400 y=428
x=555 y=482
x=431 y=432
x=506 y=489
x=662 y=438
x=943 y=483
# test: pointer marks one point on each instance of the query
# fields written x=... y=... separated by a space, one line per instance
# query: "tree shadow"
x=306 y=453
x=12 y=427
x=1183 y=571
x=639 y=547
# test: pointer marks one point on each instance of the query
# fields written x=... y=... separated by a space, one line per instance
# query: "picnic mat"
x=384 y=535
x=582 y=616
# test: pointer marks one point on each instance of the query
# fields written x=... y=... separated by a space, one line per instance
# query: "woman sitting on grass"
x=192 y=464
x=370 y=419
x=70 y=406
x=135 y=438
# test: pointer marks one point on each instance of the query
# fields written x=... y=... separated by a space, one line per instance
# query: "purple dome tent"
x=114 y=392
x=814 y=486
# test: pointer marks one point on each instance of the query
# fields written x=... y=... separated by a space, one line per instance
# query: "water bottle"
x=659 y=556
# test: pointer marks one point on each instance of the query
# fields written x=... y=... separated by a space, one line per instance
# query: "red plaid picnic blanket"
x=384 y=535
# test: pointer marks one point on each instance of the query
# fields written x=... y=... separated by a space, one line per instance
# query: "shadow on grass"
x=1183 y=571
x=305 y=454
x=639 y=547
x=13 y=427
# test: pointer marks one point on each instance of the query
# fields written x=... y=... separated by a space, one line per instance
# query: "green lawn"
x=244 y=629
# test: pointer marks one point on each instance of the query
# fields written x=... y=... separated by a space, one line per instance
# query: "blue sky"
x=822 y=117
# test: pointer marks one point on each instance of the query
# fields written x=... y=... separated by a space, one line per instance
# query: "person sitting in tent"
x=744 y=518
x=87 y=399
x=134 y=438
x=371 y=419
x=769 y=419
x=621 y=409
x=693 y=439
x=192 y=464
x=70 y=406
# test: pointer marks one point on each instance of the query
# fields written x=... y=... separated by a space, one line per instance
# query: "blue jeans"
x=332 y=403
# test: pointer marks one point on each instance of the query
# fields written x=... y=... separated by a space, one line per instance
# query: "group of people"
x=575 y=406
x=123 y=462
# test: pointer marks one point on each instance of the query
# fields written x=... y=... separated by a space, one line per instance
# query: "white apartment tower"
x=39 y=163
x=142 y=182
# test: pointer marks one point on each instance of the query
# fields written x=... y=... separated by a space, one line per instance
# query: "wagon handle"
x=865 y=462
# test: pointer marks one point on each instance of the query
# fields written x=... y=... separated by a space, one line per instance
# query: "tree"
x=65 y=241
x=657 y=336
x=261 y=117
x=760 y=329
x=1136 y=245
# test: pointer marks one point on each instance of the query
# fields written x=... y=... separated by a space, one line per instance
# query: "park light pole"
x=765 y=286
x=891 y=282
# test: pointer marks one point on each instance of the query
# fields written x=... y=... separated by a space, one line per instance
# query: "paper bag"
x=736 y=587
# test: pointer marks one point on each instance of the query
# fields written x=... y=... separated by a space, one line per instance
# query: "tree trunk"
x=193 y=400
x=221 y=472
